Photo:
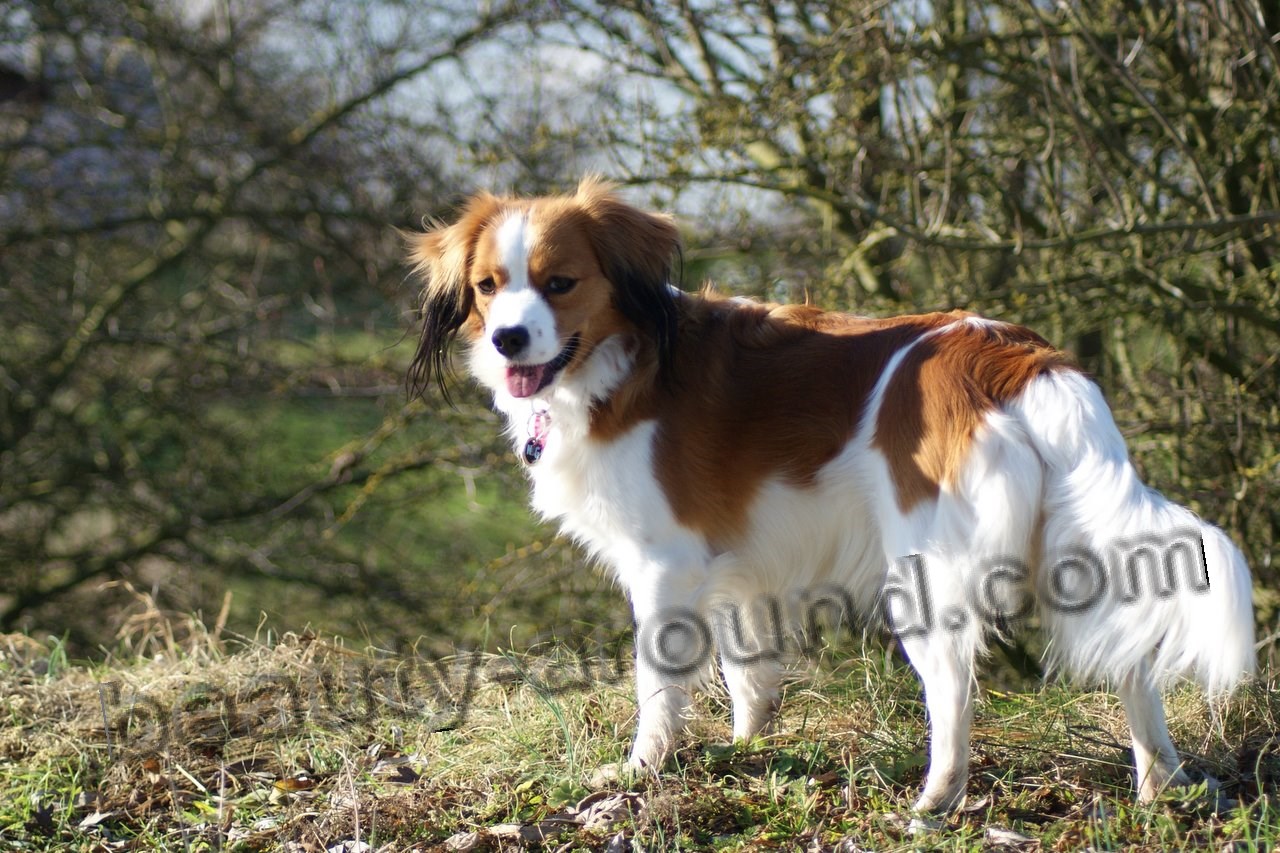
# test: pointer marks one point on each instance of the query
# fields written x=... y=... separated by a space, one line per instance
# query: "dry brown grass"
x=187 y=739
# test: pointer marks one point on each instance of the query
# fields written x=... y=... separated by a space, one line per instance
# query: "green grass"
x=234 y=745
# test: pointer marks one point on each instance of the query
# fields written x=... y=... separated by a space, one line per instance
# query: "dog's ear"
x=442 y=257
x=637 y=251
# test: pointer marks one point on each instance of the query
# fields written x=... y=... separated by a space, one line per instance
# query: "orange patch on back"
x=940 y=393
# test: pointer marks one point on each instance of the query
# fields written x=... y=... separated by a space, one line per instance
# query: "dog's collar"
x=539 y=427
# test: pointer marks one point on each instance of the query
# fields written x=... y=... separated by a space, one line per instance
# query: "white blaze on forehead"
x=519 y=303
x=513 y=248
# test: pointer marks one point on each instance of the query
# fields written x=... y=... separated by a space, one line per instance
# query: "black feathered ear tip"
x=442 y=315
x=663 y=317
x=446 y=304
x=440 y=257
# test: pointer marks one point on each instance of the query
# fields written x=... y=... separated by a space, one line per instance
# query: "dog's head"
x=535 y=286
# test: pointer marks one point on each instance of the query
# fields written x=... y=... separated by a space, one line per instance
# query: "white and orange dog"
x=717 y=453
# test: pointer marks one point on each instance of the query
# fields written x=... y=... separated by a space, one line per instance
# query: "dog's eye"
x=486 y=286
x=560 y=284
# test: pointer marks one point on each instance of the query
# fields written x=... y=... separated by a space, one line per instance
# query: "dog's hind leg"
x=944 y=661
x=959 y=571
x=1154 y=755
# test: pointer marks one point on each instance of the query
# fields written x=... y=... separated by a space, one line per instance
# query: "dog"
x=729 y=460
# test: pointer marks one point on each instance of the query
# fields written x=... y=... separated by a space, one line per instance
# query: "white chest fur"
x=606 y=496
x=603 y=493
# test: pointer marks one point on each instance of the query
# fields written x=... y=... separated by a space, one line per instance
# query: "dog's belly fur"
x=800 y=542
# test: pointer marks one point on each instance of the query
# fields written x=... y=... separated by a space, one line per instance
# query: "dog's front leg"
x=674 y=649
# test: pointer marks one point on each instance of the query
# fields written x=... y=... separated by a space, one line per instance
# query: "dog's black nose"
x=511 y=340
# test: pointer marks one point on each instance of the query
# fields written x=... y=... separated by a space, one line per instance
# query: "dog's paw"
x=922 y=824
x=1163 y=780
x=914 y=823
x=1197 y=791
x=933 y=803
x=620 y=775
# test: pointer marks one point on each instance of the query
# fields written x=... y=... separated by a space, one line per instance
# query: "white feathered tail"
x=1127 y=576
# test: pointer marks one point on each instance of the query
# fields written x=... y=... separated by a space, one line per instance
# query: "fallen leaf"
x=463 y=842
x=1007 y=837
x=90 y=821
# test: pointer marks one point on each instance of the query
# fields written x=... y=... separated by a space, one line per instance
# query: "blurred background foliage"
x=205 y=318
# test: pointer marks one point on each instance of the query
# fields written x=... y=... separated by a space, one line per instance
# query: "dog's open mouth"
x=525 y=380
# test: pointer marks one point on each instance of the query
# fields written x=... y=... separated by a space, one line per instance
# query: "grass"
x=203 y=742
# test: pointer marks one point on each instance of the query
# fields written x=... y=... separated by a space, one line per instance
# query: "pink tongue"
x=523 y=379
